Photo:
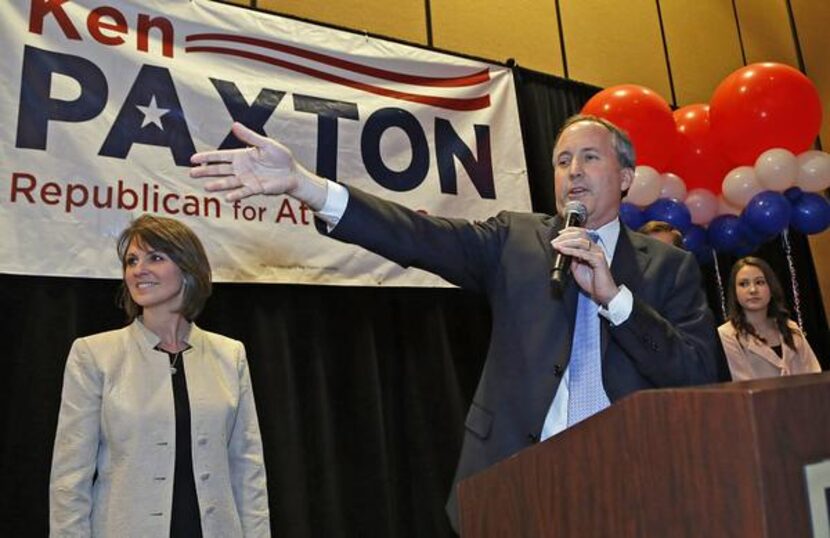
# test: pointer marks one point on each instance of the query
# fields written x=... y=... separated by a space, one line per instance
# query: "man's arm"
x=463 y=253
x=459 y=251
x=674 y=343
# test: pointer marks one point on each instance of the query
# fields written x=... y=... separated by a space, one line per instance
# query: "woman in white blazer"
x=158 y=433
x=759 y=338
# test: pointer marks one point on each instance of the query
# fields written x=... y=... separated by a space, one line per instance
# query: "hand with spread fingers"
x=589 y=266
x=265 y=167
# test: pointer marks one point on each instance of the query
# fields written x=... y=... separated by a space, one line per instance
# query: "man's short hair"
x=623 y=147
x=658 y=226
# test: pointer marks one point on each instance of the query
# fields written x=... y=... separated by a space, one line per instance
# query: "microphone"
x=575 y=215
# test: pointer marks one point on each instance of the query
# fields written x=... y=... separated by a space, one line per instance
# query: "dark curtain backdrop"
x=361 y=392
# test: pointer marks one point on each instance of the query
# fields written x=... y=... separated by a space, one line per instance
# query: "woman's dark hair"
x=177 y=241
x=777 y=308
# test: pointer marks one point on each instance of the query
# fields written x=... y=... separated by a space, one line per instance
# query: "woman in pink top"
x=759 y=338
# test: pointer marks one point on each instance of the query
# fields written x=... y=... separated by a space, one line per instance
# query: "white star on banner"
x=152 y=113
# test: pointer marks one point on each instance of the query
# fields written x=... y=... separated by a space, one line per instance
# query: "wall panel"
x=397 y=19
x=812 y=20
x=702 y=39
x=820 y=249
x=525 y=30
x=766 y=32
x=610 y=43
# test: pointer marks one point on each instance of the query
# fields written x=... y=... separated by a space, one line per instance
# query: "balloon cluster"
x=731 y=174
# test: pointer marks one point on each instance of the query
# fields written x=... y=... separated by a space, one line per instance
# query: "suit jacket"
x=669 y=340
x=750 y=358
x=117 y=419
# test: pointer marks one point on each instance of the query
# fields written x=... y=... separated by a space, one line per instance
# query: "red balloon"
x=698 y=159
x=763 y=106
x=644 y=115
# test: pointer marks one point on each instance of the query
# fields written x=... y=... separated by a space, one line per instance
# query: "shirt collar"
x=151 y=341
x=609 y=233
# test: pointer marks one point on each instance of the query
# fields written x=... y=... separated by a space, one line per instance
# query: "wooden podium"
x=713 y=461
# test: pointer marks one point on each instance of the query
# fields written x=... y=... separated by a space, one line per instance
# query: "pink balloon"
x=703 y=205
x=740 y=185
x=645 y=188
x=813 y=171
x=776 y=169
x=671 y=186
x=725 y=208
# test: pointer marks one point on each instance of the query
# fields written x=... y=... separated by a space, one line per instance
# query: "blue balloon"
x=745 y=248
x=696 y=242
x=750 y=234
x=751 y=239
x=793 y=194
x=671 y=211
x=725 y=233
x=811 y=213
x=768 y=213
x=631 y=216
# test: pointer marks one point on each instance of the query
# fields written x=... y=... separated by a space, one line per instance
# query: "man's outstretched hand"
x=265 y=167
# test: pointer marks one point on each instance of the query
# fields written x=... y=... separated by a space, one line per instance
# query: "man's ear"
x=627 y=175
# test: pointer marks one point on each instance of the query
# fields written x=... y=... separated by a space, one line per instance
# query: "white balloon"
x=740 y=185
x=725 y=208
x=776 y=169
x=703 y=205
x=813 y=171
x=671 y=186
x=645 y=188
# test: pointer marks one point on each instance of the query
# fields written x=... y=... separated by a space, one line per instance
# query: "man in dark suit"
x=634 y=312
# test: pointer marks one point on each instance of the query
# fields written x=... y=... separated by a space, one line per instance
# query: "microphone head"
x=575 y=213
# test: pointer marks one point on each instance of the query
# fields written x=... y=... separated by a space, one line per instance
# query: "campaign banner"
x=103 y=103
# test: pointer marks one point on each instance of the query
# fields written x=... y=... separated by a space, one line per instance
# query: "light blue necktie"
x=586 y=394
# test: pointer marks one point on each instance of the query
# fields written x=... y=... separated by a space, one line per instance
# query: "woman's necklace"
x=174 y=361
x=174 y=357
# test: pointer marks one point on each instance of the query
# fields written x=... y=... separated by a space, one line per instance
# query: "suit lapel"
x=565 y=316
x=546 y=233
x=630 y=261
x=561 y=318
